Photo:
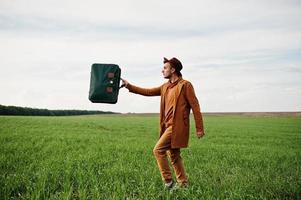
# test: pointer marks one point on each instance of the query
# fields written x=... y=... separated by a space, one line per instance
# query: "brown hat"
x=175 y=63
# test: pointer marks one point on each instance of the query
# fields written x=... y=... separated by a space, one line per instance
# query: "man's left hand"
x=200 y=134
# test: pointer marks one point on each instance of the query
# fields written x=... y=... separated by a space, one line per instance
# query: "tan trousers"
x=162 y=148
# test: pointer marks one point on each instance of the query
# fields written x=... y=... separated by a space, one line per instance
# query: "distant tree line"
x=15 y=110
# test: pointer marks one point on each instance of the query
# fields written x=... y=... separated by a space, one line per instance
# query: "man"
x=177 y=98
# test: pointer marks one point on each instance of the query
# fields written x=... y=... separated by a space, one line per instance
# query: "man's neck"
x=173 y=79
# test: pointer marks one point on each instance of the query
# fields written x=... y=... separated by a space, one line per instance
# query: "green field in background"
x=110 y=157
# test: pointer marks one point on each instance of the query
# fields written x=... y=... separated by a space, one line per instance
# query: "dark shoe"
x=180 y=186
x=170 y=185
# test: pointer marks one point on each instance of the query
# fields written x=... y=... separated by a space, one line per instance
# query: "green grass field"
x=110 y=157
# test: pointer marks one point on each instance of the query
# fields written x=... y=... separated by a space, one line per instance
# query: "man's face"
x=167 y=70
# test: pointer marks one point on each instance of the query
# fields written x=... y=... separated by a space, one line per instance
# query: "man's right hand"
x=125 y=83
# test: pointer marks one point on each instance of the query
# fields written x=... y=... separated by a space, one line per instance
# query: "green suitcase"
x=104 y=83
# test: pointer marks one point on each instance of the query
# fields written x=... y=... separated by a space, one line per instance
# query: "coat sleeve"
x=145 y=91
x=194 y=104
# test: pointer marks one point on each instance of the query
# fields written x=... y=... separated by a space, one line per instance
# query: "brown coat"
x=185 y=99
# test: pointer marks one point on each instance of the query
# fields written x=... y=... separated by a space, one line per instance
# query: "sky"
x=240 y=56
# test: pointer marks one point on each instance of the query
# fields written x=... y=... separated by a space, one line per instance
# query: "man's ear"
x=173 y=70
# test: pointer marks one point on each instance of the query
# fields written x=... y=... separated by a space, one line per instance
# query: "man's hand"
x=125 y=83
x=200 y=134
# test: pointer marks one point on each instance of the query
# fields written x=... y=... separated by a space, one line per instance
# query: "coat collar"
x=179 y=87
x=170 y=84
x=177 y=93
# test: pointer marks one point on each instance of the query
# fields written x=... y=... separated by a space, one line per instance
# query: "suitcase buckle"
x=109 y=89
x=111 y=75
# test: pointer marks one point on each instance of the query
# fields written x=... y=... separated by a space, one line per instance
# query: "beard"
x=167 y=76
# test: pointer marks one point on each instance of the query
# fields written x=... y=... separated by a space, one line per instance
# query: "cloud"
x=234 y=52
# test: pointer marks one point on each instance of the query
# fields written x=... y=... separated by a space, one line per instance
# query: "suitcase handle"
x=121 y=85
